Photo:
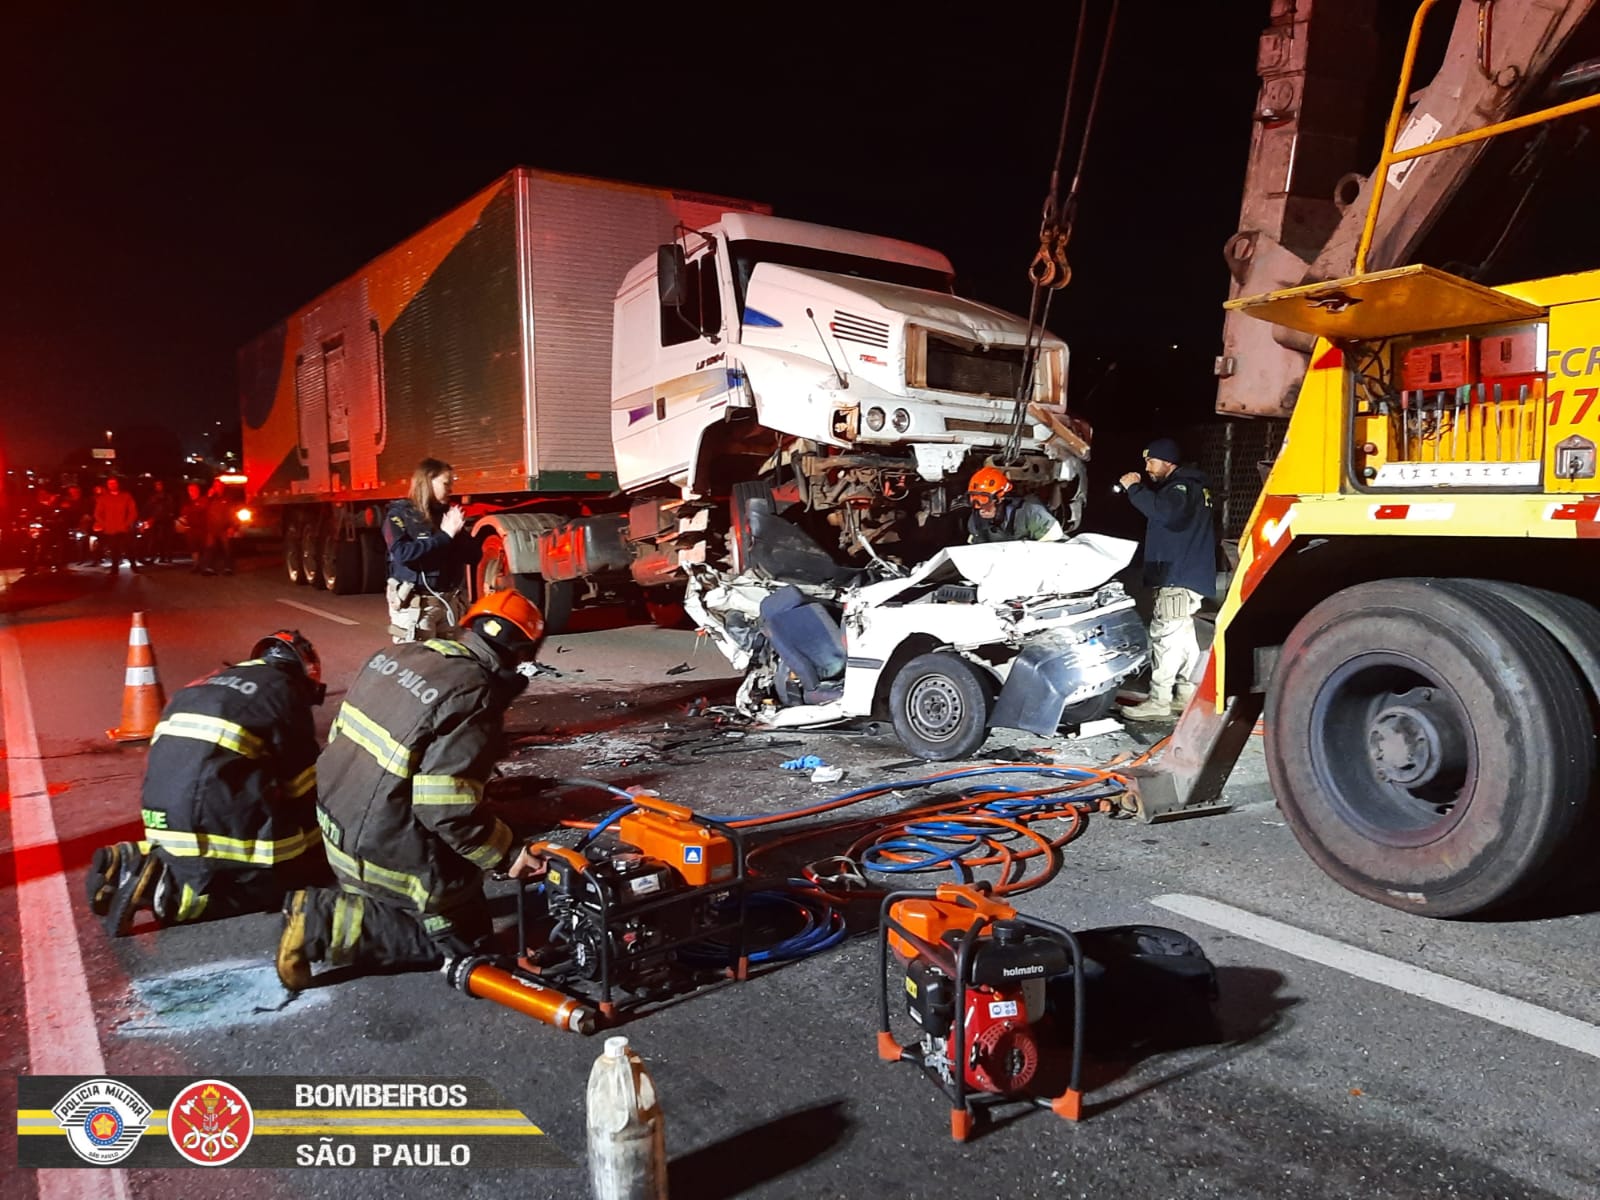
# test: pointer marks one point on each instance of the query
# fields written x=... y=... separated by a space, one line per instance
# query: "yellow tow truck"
x=1413 y=617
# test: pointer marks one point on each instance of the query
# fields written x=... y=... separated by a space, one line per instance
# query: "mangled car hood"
x=1005 y=571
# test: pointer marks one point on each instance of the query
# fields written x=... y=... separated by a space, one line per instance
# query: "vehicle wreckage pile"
x=1022 y=635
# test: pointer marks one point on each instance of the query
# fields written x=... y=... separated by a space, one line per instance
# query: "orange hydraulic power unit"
x=974 y=973
x=651 y=908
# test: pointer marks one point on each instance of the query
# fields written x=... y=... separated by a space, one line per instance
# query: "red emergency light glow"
x=233 y=477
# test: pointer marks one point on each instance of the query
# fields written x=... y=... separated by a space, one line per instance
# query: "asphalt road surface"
x=1361 y=1052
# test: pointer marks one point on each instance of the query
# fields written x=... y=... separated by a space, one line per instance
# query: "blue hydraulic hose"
x=822 y=928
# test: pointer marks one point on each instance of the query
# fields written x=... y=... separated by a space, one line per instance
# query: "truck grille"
x=973 y=371
x=848 y=327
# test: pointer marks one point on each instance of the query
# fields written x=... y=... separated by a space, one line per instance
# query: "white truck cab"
x=837 y=367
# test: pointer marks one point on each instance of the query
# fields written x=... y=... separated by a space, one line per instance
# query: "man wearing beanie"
x=1180 y=562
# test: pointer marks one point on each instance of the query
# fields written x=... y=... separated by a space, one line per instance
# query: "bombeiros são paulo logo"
x=104 y=1120
x=210 y=1123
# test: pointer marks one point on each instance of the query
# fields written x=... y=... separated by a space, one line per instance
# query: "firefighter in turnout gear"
x=229 y=796
x=401 y=789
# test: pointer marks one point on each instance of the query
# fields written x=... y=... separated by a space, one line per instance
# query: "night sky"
x=179 y=180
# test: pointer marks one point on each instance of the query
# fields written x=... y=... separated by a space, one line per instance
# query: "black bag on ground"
x=1144 y=986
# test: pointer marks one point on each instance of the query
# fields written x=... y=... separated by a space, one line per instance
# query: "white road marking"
x=319 y=612
x=1508 y=1011
x=61 y=1028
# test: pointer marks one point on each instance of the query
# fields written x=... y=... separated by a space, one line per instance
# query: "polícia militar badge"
x=104 y=1120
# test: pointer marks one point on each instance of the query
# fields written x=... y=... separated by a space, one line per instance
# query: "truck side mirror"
x=672 y=275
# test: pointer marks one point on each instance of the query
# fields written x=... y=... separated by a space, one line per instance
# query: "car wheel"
x=940 y=705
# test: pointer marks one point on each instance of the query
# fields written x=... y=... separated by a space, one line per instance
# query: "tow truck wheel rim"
x=1393 y=751
x=934 y=708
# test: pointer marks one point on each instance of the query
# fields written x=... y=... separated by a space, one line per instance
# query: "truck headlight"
x=875 y=419
x=902 y=420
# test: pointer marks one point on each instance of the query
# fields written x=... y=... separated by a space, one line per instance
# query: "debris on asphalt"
x=827 y=774
x=682 y=668
x=809 y=762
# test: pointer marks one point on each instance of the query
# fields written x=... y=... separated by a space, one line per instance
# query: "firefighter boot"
x=137 y=875
x=294 y=965
x=1182 y=692
x=1156 y=707
x=100 y=884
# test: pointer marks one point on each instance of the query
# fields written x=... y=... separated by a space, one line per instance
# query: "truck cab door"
x=690 y=386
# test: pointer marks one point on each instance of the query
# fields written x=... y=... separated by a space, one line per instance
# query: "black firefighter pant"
x=206 y=889
x=350 y=928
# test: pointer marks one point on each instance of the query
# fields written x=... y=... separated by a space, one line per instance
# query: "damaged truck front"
x=833 y=374
x=616 y=371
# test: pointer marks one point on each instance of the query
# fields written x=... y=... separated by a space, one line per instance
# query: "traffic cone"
x=142 y=697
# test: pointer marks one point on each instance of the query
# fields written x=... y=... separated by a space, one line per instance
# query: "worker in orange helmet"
x=998 y=516
x=400 y=800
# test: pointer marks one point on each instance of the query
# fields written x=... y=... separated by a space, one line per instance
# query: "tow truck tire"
x=940 y=705
x=1429 y=744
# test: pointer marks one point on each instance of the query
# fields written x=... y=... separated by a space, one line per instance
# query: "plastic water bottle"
x=627 y=1137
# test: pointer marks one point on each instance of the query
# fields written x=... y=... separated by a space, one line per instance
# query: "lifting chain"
x=1050 y=271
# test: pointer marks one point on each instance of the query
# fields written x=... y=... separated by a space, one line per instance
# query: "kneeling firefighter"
x=401 y=785
x=229 y=796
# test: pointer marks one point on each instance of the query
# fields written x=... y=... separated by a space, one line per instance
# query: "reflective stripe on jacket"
x=232 y=774
x=401 y=780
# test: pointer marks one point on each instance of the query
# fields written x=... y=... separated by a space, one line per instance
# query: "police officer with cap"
x=229 y=796
x=401 y=789
x=997 y=516
x=1180 y=562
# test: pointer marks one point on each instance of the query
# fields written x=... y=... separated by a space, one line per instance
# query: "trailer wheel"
x=293 y=567
x=1429 y=744
x=374 y=562
x=311 y=551
x=341 y=564
x=940 y=705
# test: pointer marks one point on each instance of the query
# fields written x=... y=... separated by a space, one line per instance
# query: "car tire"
x=1429 y=744
x=940 y=706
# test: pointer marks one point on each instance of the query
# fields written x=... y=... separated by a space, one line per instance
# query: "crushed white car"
x=1022 y=635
